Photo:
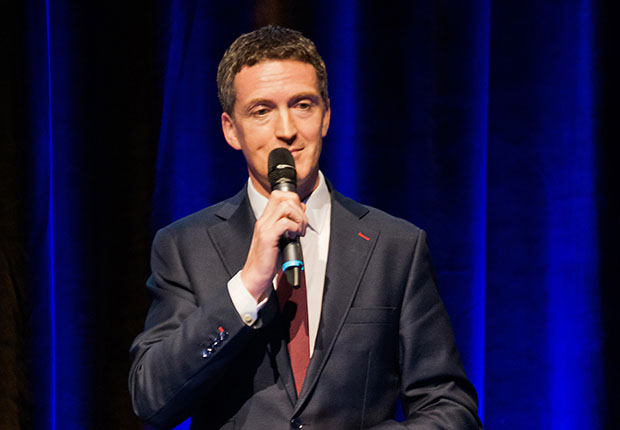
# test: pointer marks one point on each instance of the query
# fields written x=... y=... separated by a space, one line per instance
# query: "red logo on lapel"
x=363 y=236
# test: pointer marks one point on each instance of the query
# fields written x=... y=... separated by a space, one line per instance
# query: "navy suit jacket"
x=383 y=333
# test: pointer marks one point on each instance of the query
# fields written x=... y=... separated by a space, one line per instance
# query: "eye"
x=260 y=112
x=304 y=105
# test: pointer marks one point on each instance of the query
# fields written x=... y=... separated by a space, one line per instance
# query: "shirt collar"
x=318 y=204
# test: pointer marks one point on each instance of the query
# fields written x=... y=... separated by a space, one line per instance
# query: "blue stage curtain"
x=488 y=124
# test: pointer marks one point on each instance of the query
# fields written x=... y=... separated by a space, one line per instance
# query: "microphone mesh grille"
x=281 y=167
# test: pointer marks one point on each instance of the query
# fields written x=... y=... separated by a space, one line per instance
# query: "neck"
x=303 y=189
x=307 y=187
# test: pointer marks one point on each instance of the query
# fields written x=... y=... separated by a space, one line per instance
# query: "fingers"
x=284 y=213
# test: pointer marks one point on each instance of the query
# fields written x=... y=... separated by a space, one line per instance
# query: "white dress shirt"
x=315 y=247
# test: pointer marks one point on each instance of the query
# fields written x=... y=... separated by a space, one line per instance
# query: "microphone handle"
x=293 y=262
x=291 y=248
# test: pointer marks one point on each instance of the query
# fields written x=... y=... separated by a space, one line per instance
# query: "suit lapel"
x=283 y=361
x=348 y=258
x=232 y=240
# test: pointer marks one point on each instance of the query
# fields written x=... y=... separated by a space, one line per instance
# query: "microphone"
x=283 y=176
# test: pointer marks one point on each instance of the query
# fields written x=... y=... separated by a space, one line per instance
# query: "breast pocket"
x=382 y=315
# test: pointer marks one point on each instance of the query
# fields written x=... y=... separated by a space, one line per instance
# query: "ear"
x=326 y=117
x=230 y=132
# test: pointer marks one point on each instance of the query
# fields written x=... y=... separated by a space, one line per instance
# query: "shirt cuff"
x=246 y=305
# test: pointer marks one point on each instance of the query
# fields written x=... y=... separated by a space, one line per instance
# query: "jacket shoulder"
x=206 y=217
x=378 y=219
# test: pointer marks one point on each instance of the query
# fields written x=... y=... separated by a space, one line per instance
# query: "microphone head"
x=281 y=168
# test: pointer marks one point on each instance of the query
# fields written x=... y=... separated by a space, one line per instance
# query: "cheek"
x=310 y=162
x=255 y=160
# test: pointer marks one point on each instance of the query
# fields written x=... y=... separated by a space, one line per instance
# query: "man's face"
x=278 y=104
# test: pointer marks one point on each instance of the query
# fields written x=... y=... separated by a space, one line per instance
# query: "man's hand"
x=284 y=212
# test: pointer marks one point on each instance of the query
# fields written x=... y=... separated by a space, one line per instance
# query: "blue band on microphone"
x=293 y=263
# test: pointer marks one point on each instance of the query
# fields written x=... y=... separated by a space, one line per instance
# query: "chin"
x=303 y=175
x=307 y=180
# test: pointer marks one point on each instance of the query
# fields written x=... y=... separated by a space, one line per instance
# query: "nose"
x=286 y=130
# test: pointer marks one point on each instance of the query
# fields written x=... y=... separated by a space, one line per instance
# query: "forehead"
x=275 y=78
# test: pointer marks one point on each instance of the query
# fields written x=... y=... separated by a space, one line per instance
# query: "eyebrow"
x=256 y=102
x=312 y=96
x=315 y=97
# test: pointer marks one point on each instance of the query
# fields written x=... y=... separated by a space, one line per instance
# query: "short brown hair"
x=266 y=43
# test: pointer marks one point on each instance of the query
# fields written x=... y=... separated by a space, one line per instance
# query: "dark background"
x=492 y=125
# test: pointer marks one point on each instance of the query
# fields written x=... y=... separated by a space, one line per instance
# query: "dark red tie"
x=294 y=306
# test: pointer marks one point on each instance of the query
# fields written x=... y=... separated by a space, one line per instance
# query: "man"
x=370 y=327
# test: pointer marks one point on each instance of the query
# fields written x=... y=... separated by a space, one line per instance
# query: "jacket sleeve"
x=435 y=392
x=185 y=345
